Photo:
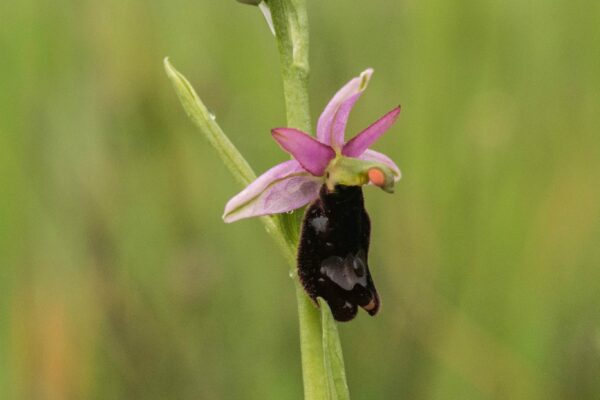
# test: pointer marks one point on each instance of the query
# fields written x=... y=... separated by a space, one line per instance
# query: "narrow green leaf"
x=229 y=154
x=333 y=357
x=200 y=115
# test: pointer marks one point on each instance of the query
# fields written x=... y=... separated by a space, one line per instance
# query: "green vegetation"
x=118 y=279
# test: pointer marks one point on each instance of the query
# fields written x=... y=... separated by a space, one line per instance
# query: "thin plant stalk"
x=320 y=376
x=323 y=371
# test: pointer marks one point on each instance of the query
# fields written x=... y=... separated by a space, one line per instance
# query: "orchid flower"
x=324 y=160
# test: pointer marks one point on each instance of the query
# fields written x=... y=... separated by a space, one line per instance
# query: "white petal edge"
x=285 y=187
x=264 y=8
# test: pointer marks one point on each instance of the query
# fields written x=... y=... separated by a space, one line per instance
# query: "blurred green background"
x=118 y=279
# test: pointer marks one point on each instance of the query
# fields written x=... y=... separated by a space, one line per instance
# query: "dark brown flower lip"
x=333 y=253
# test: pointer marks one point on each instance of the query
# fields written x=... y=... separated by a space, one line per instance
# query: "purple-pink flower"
x=326 y=159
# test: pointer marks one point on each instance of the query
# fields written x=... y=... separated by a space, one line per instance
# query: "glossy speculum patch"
x=333 y=252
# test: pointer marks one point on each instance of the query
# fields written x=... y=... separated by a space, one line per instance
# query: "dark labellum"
x=333 y=252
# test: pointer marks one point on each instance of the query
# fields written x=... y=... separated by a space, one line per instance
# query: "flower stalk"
x=320 y=375
x=291 y=31
x=322 y=362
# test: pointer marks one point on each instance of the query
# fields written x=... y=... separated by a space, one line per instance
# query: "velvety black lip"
x=333 y=253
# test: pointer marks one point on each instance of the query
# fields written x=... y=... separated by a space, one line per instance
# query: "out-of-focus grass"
x=119 y=280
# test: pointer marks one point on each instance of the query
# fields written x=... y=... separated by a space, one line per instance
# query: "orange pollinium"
x=376 y=177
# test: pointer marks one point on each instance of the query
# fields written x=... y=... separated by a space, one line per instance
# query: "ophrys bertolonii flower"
x=328 y=173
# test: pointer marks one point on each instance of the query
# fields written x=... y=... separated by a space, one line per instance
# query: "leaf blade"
x=203 y=119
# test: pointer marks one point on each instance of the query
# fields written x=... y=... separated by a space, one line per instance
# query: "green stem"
x=291 y=29
x=322 y=364
x=320 y=376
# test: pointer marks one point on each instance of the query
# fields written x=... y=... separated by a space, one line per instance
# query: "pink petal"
x=332 y=123
x=361 y=142
x=308 y=151
x=372 y=155
x=285 y=187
